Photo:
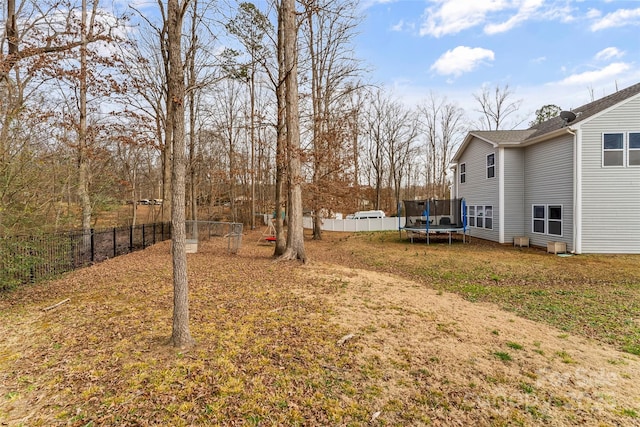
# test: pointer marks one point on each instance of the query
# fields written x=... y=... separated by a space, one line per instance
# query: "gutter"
x=547 y=136
x=577 y=191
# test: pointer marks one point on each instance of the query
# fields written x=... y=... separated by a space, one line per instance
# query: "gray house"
x=572 y=179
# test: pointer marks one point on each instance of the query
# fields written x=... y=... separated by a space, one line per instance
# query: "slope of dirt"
x=440 y=356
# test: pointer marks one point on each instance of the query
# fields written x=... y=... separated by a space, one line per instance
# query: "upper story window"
x=463 y=173
x=621 y=149
x=613 y=149
x=634 y=148
x=491 y=165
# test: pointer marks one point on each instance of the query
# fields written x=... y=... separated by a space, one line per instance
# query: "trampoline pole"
x=399 y=224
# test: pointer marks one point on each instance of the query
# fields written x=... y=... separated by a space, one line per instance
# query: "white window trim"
x=483 y=209
x=493 y=166
x=623 y=149
x=546 y=219
x=469 y=216
x=463 y=174
x=485 y=217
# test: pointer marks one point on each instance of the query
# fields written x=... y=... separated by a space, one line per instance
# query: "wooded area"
x=84 y=123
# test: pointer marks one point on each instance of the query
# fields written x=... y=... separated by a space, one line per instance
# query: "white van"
x=368 y=214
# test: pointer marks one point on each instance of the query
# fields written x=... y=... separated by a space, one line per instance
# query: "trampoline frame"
x=430 y=228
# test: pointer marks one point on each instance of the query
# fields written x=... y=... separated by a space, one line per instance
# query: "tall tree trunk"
x=295 y=234
x=252 y=90
x=167 y=164
x=83 y=160
x=318 y=136
x=192 y=121
x=281 y=142
x=167 y=150
x=181 y=335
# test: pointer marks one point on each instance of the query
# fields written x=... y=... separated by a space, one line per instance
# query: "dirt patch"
x=473 y=362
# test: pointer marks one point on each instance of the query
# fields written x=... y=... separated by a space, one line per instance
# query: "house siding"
x=513 y=194
x=610 y=195
x=548 y=173
x=478 y=189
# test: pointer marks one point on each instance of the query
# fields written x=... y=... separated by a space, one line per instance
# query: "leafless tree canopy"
x=277 y=121
x=496 y=106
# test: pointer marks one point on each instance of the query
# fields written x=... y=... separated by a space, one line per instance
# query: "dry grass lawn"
x=372 y=331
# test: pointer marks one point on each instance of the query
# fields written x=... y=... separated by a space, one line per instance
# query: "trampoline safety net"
x=434 y=213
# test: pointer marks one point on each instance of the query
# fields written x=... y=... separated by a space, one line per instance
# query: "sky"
x=559 y=52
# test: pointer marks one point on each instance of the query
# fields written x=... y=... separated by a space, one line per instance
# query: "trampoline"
x=428 y=217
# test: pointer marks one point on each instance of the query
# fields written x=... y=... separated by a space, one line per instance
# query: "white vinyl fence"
x=371 y=224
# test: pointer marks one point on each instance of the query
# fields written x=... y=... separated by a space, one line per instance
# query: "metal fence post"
x=93 y=246
x=115 y=242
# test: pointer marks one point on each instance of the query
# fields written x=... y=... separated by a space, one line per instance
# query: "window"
x=538 y=219
x=491 y=165
x=480 y=216
x=488 y=217
x=463 y=173
x=613 y=149
x=634 y=148
x=547 y=219
x=554 y=221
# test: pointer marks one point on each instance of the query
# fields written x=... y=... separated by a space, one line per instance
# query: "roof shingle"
x=585 y=111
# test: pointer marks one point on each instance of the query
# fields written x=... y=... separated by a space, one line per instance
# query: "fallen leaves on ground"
x=271 y=346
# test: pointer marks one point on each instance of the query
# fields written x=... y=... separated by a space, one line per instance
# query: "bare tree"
x=443 y=126
x=295 y=231
x=401 y=131
x=251 y=26
x=281 y=137
x=376 y=140
x=58 y=39
x=229 y=125
x=181 y=335
x=496 y=106
x=329 y=31
x=83 y=163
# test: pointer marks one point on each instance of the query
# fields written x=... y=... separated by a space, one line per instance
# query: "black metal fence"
x=29 y=259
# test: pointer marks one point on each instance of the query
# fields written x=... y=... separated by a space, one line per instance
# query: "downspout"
x=453 y=193
x=577 y=191
x=501 y=220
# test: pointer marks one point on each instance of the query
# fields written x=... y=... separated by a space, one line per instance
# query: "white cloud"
x=398 y=27
x=453 y=16
x=619 y=18
x=461 y=60
x=527 y=10
x=609 y=53
x=403 y=26
x=539 y=60
x=589 y=77
x=593 y=13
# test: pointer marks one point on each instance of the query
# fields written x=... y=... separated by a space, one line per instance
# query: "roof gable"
x=548 y=128
x=585 y=111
